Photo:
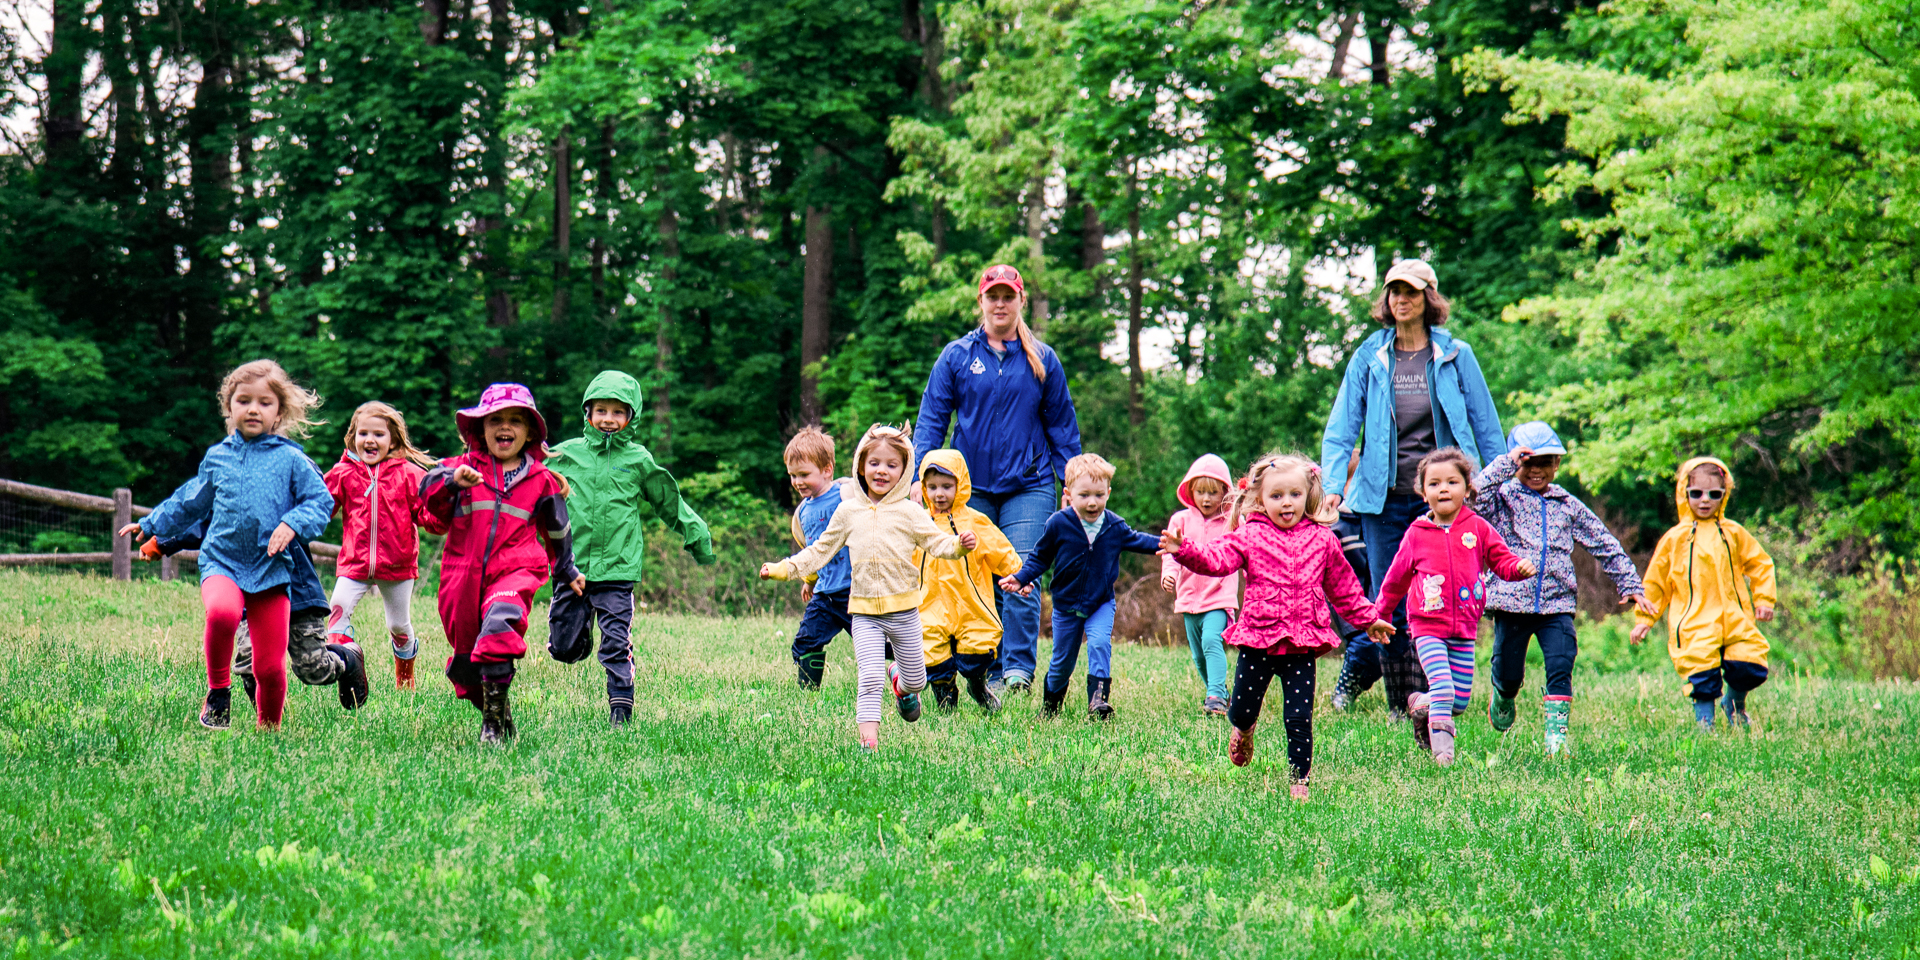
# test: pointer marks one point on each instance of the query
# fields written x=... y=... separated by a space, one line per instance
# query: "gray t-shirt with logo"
x=1412 y=414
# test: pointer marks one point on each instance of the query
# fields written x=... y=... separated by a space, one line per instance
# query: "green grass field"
x=736 y=818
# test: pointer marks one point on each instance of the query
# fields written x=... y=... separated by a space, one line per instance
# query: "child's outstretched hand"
x=1639 y=632
x=130 y=530
x=968 y=540
x=766 y=571
x=1380 y=632
x=1763 y=612
x=1642 y=604
x=1527 y=569
x=466 y=476
x=1169 y=583
x=1170 y=542
x=282 y=535
x=1011 y=585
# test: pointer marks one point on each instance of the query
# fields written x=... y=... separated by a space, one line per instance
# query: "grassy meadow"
x=735 y=817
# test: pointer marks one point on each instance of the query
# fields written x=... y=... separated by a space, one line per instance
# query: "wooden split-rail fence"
x=124 y=511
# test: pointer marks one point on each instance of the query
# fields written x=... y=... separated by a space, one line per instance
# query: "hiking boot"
x=946 y=695
x=353 y=681
x=1558 y=713
x=621 y=713
x=1342 y=701
x=1441 y=731
x=216 y=711
x=1240 y=746
x=402 y=674
x=1097 y=706
x=496 y=715
x=1500 y=712
x=1417 y=714
x=252 y=687
x=983 y=694
x=1050 y=701
x=1019 y=683
x=909 y=703
x=1214 y=707
x=811 y=669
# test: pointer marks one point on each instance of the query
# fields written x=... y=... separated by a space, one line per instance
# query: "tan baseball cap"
x=1415 y=273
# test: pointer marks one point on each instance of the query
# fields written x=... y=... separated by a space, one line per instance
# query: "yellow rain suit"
x=958 y=615
x=1709 y=575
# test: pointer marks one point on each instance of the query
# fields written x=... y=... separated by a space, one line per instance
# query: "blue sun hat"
x=1536 y=436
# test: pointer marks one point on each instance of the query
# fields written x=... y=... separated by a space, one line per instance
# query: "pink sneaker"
x=1442 y=733
x=869 y=744
x=1298 y=791
x=1418 y=711
x=1240 y=747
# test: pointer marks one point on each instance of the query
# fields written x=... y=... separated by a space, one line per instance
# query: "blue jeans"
x=1069 y=632
x=1209 y=652
x=1558 y=646
x=1021 y=515
x=1398 y=662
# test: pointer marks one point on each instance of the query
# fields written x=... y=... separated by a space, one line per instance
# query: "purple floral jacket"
x=1543 y=527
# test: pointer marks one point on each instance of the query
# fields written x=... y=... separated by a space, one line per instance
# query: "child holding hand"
x=1295 y=568
x=1446 y=553
x=504 y=515
x=1206 y=603
x=1717 y=584
x=257 y=494
x=1082 y=545
x=376 y=490
x=881 y=529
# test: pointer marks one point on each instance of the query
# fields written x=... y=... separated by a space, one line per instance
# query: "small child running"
x=961 y=629
x=376 y=491
x=809 y=458
x=1540 y=519
x=257 y=493
x=1446 y=553
x=1294 y=568
x=504 y=515
x=1207 y=604
x=1082 y=545
x=1716 y=583
x=613 y=476
x=881 y=529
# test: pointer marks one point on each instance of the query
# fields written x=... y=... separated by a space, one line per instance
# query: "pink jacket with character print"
x=1440 y=572
x=1291 y=575
x=1197 y=592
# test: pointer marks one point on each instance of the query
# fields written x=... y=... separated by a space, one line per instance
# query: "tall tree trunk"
x=491 y=247
x=1036 y=250
x=1093 y=235
x=669 y=227
x=65 y=63
x=207 y=131
x=433 y=21
x=816 y=306
x=129 y=135
x=1136 y=314
x=1343 y=41
x=1377 y=38
x=597 y=248
x=562 y=221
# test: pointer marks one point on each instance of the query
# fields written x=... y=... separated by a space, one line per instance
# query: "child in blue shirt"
x=809 y=457
x=1082 y=544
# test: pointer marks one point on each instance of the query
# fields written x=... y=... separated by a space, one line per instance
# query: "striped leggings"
x=871 y=632
x=1448 y=662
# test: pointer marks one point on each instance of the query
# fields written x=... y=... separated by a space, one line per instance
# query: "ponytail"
x=1032 y=347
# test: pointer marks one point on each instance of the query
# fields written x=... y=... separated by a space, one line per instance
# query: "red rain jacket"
x=380 y=507
x=493 y=529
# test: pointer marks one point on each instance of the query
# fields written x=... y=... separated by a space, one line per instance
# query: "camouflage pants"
x=313 y=663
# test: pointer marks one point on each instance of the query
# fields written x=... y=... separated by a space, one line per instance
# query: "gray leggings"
x=870 y=635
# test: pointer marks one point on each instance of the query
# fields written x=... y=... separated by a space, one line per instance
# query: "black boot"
x=496 y=717
x=983 y=694
x=1097 y=706
x=946 y=694
x=252 y=687
x=217 y=713
x=1050 y=701
x=812 y=668
x=353 y=680
x=622 y=712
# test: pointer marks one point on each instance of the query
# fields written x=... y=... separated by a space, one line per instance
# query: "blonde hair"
x=811 y=445
x=1194 y=485
x=296 y=401
x=396 y=429
x=899 y=438
x=1253 y=485
x=1089 y=465
x=1028 y=342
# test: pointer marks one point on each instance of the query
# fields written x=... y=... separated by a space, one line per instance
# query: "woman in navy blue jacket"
x=1412 y=389
x=1013 y=421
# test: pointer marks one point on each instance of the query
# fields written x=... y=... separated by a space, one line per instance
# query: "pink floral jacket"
x=1292 y=574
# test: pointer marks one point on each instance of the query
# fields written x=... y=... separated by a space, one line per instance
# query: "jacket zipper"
x=1540 y=575
x=373 y=531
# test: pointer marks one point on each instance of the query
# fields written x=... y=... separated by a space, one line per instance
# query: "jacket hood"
x=952 y=462
x=1210 y=466
x=898 y=491
x=1680 y=487
x=611 y=385
x=1426 y=519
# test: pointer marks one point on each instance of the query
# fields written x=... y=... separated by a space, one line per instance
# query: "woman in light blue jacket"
x=1409 y=389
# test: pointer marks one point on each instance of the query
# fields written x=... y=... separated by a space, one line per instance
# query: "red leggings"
x=267 y=614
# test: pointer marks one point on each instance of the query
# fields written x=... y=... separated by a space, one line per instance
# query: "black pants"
x=1258 y=668
x=569 y=633
x=1559 y=645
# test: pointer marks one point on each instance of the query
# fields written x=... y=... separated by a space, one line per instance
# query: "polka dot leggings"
x=1256 y=669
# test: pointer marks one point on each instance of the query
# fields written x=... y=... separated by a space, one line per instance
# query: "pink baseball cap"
x=1000 y=273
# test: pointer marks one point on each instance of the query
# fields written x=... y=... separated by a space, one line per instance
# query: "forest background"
x=1667 y=228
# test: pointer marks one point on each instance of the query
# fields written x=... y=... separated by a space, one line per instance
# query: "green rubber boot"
x=1558 y=713
x=1500 y=712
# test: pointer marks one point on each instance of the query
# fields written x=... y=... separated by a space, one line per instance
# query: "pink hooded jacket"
x=1443 y=568
x=1291 y=576
x=1197 y=592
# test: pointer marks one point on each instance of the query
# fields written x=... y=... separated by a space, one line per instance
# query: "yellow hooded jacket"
x=882 y=538
x=1709 y=575
x=958 y=612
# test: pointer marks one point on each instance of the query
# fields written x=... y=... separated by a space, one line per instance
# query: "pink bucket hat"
x=493 y=399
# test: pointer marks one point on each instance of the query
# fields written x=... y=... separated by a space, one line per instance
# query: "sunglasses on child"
x=1693 y=494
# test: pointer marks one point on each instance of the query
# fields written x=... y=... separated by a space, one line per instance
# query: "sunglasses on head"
x=1693 y=494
